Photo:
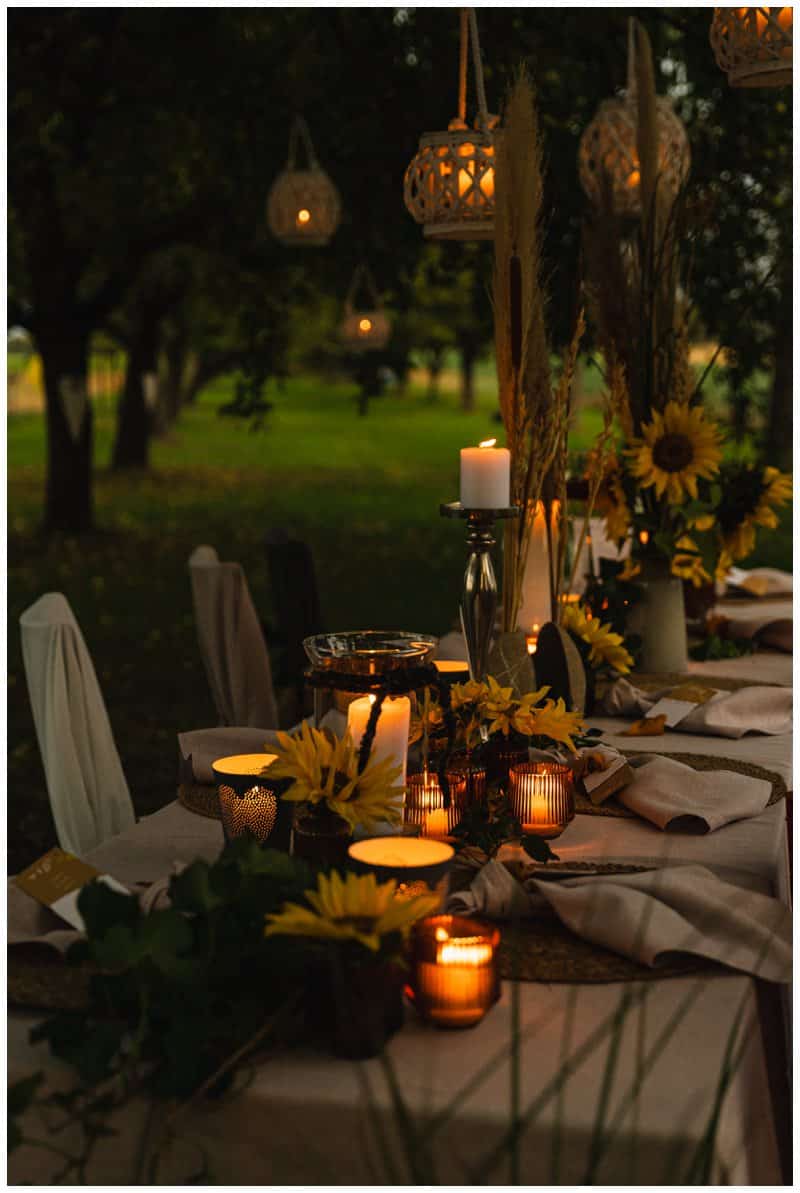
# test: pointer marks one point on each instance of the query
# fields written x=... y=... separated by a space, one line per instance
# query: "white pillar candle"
x=535 y=605
x=391 y=733
x=486 y=477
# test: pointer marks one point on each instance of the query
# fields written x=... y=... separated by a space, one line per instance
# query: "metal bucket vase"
x=660 y=619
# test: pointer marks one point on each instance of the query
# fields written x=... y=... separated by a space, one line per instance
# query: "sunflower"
x=748 y=502
x=523 y=717
x=687 y=562
x=355 y=907
x=471 y=692
x=326 y=769
x=498 y=706
x=552 y=720
x=605 y=647
x=675 y=449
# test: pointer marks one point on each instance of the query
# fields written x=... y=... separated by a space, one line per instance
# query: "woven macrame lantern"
x=753 y=45
x=449 y=184
x=364 y=328
x=303 y=205
x=607 y=153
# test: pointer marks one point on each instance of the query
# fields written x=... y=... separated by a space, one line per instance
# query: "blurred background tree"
x=142 y=145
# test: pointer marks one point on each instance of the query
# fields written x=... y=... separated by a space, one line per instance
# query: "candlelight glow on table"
x=454 y=979
x=542 y=797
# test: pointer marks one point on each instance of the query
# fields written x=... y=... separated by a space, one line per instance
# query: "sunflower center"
x=672 y=452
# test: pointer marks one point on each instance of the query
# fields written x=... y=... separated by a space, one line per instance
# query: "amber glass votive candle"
x=424 y=804
x=454 y=978
x=542 y=797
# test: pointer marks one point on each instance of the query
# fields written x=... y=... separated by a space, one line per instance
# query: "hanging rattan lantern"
x=607 y=152
x=364 y=328
x=303 y=205
x=449 y=184
x=753 y=45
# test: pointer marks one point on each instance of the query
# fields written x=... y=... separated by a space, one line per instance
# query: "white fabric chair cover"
x=89 y=796
x=231 y=642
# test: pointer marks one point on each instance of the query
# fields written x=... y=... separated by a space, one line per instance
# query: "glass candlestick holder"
x=542 y=797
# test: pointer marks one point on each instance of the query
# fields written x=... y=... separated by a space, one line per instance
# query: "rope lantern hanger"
x=608 y=154
x=449 y=183
x=753 y=45
x=364 y=328
x=303 y=205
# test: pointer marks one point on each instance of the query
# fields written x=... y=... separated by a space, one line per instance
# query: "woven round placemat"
x=201 y=798
x=611 y=807
x=651 y=681
x=40 y=978
x=543 y=950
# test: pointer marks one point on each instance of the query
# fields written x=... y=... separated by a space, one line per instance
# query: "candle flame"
x=488 y=443
x=644 y=537
x=442 y=934
x=470 y=951
x=365 y=325
x=303 y=215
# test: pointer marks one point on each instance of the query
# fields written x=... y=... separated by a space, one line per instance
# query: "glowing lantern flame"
x=303 y=215
x=488 y=443
x=365 y=325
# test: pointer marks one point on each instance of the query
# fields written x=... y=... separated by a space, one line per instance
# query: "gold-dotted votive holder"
x=424 y=804
x=542 y=797
x=454 y=973
x=250 y=801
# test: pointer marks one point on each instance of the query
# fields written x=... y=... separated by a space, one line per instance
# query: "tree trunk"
x=435 y=362
x=135 y=422
x=468 y=358
x=778 y=442
x=68 y=493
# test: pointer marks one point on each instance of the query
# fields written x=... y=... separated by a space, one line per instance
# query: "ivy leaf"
x=103 y=908
x=192 y=889
x=538 y=848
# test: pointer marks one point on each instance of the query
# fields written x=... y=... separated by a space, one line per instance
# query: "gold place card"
x=56 y=880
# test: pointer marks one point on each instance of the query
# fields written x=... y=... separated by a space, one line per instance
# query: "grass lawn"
x=364 y=492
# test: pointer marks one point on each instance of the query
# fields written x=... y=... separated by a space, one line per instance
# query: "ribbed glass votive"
x=424 y=804
x=474 y=773
x=454 y=975
x=542 y=797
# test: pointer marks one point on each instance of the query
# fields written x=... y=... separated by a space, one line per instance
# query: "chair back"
x=231 y=642
x=89 y=796
x=295 y=598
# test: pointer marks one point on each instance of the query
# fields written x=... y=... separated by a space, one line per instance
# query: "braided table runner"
x=611 y=807
x=201 y=798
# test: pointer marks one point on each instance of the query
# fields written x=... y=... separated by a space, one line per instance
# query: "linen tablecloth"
x=303 y=1118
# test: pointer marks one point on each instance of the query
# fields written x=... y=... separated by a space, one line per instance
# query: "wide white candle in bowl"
x=486 y=477
x=391 y=732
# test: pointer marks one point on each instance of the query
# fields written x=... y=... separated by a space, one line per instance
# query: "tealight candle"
x=486 y=476
x=391 y=732
x=454 y=970
x=541 y=797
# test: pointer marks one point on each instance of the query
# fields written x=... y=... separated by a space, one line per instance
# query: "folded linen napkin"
x=757 y=709
x=198 y=748
x=771 y=631
x=760 y=581
x=647 y=916
x=675 y=796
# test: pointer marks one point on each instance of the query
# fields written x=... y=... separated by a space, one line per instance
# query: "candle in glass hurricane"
x=454 y=977
x=542 y=797
x=391 y=733
x=486 y=477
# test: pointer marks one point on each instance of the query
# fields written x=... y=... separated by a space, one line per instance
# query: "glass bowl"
x=369 y=652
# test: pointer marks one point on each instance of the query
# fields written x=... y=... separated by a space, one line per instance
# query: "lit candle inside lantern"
x=454 y=979
x=247 y=803
x=364 y=325
x=391 y=733
x=303 y=217
x=541 y=797
x=486 y=476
